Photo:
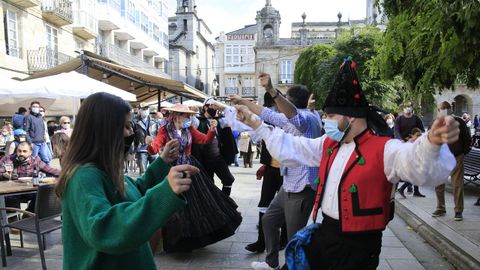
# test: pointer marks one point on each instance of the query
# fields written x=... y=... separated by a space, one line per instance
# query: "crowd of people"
x=342 y=165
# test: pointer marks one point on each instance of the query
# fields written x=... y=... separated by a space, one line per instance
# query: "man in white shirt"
x=357 y=172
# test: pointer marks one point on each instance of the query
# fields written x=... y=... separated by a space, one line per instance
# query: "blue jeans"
x=143 y=159
x=42 y=150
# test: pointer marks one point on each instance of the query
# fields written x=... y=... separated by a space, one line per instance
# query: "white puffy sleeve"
x=420 y=163
x=291 y=151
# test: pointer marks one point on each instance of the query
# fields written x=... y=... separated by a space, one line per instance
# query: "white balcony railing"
x=84 y=19
x=122 y=57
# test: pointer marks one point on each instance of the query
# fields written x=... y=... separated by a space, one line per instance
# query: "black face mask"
x=212 y=112
x=128 y=143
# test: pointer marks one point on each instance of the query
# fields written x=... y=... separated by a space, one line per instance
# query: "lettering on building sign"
x=241 y=37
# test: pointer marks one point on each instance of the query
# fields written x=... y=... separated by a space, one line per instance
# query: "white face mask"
x=390 y=122
x=408 y=110
x=42 y=114
x=35 y=110
x=65 y=126
x=145 y=114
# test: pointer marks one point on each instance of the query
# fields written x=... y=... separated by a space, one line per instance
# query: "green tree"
x=362 y=44
x=306 y=65
x=431 y=44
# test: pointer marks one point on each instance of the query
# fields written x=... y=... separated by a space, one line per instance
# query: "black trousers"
x=332 y=249
x=219 y=167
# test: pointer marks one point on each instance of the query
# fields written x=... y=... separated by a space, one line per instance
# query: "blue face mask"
x=332 y=131
x=187 y=123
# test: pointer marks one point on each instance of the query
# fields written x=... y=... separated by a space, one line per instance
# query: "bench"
x=471 y=163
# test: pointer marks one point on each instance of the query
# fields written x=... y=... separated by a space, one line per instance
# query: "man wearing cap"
x=357 y=172
x=145 y=128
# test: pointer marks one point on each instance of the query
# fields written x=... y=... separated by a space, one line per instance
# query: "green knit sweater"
x=101 y=230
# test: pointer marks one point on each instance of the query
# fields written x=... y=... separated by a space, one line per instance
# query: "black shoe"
x=477 y=203
x=419 y=195
x=439 y=213
x=458 y=216
x=400 y=191
x=255 y=247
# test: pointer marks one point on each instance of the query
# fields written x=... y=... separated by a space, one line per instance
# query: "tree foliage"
x=432 y=44
x=319 y=64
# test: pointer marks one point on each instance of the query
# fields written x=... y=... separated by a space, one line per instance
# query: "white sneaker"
x=263 y=266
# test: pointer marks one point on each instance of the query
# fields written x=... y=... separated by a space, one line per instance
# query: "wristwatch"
x=274 y=97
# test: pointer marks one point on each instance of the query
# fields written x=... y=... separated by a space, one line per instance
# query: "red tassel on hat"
x=355 y=82
x=353 y=65
x=357 y=96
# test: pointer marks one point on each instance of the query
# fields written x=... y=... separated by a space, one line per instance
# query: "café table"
x=10 y=188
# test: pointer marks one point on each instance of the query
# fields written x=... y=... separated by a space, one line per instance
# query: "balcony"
x=45 y=58
x=248 y=91
x=231 y=91
x=285 y=78
x=108 y=15
x=122 y=57
x=14 y=51
x=25 y=3
x=84 y=25
x=58 y=12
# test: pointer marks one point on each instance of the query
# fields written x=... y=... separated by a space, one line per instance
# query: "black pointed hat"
x=346 y=97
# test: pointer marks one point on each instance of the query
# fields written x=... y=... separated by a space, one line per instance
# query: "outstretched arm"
x=433 y=161
x=288 y=149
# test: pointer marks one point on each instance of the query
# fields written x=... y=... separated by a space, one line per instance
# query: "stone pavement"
x=458 y=241
x=227 y=254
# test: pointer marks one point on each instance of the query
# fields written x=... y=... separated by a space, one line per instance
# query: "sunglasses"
x=66 y=122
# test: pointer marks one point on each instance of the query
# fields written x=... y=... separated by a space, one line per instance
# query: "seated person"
x=24 y=165
x=19 y=136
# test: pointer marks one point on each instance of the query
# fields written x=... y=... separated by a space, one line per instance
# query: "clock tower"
x=268 y=25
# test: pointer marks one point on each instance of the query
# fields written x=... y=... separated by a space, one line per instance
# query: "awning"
x=146 y=87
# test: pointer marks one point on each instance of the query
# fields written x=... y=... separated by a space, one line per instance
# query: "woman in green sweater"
x=108 y=218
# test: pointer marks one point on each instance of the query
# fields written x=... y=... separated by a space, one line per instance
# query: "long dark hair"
x=97 y=139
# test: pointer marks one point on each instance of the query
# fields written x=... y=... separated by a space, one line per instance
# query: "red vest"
x=364 y=196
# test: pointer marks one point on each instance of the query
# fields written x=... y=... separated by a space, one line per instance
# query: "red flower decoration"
x=353 y=65
x=355 y=82
x=357 y=96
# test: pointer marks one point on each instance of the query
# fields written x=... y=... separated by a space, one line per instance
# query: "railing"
x=85 y=19
x=248 y=91
x=122 y=57
x=45 y=58
x=231 y=90
x=62 y=8
x=285 y=78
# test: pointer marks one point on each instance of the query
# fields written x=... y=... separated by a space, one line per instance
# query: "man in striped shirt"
x=293 y=203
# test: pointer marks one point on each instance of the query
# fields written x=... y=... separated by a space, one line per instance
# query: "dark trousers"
x=407 y=185
x=332 y=249
x=14 y=201
x=219 y=167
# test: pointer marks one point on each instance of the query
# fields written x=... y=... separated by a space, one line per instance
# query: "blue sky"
x=230 y=15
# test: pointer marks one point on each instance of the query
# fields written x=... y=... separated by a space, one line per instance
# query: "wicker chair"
x=44 y=220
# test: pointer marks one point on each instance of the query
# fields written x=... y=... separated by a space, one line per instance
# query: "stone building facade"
x=36 y=35
x=191 y=49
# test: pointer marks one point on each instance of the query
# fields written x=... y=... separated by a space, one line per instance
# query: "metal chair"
x=47 y=209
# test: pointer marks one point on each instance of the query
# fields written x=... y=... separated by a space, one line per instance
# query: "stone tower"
x=184 y=6
x=268 y=23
